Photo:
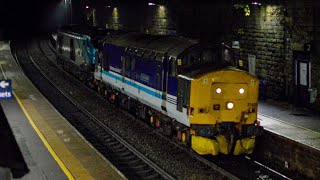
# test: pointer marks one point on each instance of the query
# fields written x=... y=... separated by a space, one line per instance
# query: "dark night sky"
x=25 y=17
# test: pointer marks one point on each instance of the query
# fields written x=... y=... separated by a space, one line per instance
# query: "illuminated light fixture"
x=256 y=3
x=218 y=90
x=87 y=7
x=109 y=6
x=151 y=4
x=229 y=105
x=241 y=90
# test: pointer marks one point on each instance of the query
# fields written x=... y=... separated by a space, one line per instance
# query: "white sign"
x=303 y=74
x=235 y=45
x=4 y=84
x=5 y=89
x=252 y=64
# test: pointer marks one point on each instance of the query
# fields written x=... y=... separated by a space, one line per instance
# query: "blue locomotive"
x=182 y=87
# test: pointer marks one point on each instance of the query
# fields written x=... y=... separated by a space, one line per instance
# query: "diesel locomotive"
x=186 y=89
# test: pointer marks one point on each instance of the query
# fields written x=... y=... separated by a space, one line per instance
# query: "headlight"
x=229 y=105
x=241 y=90
x=218 y=90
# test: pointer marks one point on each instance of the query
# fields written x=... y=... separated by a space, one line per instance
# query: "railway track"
x=127 y=159
x=240 y=167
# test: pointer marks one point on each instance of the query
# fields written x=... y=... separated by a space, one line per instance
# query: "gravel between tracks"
x=174 y=160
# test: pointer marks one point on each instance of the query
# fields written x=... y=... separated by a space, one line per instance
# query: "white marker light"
x=241 y=90
x=229 y=105
x=218 y=90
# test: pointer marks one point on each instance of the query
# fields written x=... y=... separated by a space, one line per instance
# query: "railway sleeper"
x=134 y=161
x=124 y=152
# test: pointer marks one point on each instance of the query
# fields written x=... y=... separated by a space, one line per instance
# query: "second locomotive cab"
x=186 y=89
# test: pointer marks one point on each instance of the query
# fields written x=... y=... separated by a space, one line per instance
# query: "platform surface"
x=298 y=124
x=52 y=148
x=36 y=155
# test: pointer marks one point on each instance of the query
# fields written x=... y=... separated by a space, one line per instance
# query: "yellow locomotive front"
x=223 y=112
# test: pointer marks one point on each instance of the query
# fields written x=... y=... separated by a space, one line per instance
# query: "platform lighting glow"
x=229 y=105
x=87 y=7
x=256 y=3
x=151 y=4
x=218 y=90
x=115 y=19
x=241 y=90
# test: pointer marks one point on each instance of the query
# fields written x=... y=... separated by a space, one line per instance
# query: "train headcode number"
x=252 y=104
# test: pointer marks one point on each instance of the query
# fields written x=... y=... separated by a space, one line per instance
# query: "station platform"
x=291 y=141
x=51 y=147
x=298 y=124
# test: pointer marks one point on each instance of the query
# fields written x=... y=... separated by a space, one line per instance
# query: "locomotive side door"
x=133 y=69
x=183 y=96
x=165 y=77
x=165 y=65
x=123 y=68
x=128 y=67
x=98 y=65
x=158 y=81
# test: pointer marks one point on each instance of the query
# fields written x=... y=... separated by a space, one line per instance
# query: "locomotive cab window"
x=228 y=57
x=200 y=57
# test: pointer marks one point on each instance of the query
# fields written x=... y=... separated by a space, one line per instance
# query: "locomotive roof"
x=85 y=30
x=171 y=45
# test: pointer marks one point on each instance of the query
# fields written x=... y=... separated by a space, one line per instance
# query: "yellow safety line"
x=45 y=142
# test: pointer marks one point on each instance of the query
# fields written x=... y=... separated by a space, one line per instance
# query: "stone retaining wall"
x=294 y=159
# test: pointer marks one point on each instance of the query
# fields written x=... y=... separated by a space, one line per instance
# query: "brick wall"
x=262 y=34
x=272 y=32
x=137 y=17
x=287 y=156
x=203 y=20
x=303 y=25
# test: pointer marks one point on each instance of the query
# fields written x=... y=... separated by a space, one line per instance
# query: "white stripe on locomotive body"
x=79 y=36
x=146 y=98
